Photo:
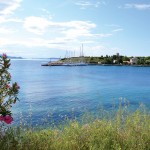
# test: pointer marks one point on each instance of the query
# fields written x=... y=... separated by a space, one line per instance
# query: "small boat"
x=44 y=64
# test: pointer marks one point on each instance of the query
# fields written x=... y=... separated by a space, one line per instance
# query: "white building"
x=115 y=61
x=133 y=61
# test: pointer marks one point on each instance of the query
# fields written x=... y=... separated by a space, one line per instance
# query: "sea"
x=56 y=92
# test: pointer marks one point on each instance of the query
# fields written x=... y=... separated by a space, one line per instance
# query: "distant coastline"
x=13 y=57
x=10 y=57
x=114 y=60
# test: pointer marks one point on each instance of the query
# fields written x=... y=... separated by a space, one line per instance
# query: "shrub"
x=8 y=91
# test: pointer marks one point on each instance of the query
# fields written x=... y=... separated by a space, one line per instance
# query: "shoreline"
x=93 y=64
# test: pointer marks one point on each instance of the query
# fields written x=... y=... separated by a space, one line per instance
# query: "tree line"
x=114 y=59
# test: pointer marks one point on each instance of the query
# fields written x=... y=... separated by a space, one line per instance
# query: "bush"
x=8 y=90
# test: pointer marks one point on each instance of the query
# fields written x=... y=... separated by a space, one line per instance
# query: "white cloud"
x=103 y=35
x=36 y=25
x=117 y=30
x=91 y=48
x=24 y=42
x=34 y=42
x=113 y=25
x=138 y=6
x=46 y=13
x=57 y=43
x=53 y=35
x=83 y=4
x=3 y=41
x=72 y=30
x=4 y=30
x=9 y=6
x=75 y=29
x=4 y=19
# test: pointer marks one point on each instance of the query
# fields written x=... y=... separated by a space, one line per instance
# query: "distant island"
x=116 y=59
x=13 y=57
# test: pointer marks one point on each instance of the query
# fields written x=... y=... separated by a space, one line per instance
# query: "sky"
x=50 y=28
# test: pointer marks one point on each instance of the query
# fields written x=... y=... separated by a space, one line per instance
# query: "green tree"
x=120 y=61
x=141 y=61
x=147 y=62
x=114 y=57
x=125 y=58
x=108 y=60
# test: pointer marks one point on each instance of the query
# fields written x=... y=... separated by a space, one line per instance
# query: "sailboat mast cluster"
x=70 y=59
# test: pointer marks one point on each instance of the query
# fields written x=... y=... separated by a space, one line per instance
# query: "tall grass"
x=124 y=131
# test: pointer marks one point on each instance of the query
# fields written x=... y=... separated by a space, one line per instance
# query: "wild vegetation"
x=125 y=131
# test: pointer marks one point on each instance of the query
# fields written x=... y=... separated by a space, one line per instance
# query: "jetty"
x=57 y=63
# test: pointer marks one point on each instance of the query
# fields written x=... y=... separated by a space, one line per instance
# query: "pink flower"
x=4 y=55
x=1 y=118
x=8 y=119
x=17 y=86
x=7 y=86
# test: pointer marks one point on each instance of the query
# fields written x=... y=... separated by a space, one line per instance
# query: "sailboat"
x=68 y=62
x=81 y=62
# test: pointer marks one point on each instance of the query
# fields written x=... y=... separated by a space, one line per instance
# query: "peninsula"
x=103 y=60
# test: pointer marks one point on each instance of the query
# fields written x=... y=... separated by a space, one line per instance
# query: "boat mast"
x=82 y=50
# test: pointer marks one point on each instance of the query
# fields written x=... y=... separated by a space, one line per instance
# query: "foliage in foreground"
x=8 y=91
x=123 y=132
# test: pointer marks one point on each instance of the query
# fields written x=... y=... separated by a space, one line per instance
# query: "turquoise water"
x=60 y=90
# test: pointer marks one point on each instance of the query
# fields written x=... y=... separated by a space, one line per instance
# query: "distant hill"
x=47 y=58
x=13 y=57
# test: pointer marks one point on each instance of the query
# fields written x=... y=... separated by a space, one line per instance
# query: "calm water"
x=61 y=90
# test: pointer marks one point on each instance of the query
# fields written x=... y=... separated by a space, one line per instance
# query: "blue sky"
x=49 y=28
